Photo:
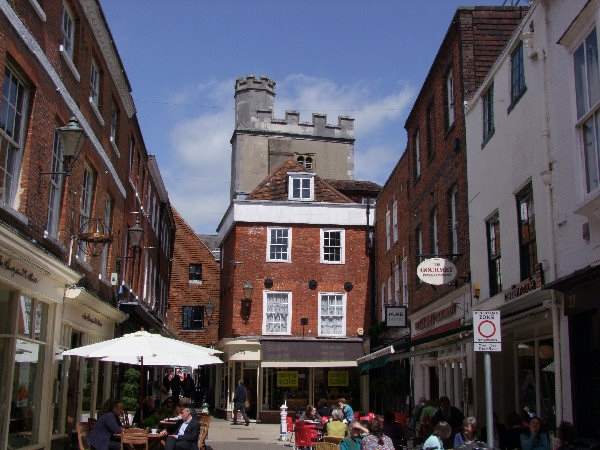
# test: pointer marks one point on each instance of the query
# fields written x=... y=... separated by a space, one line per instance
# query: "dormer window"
x=301 y=186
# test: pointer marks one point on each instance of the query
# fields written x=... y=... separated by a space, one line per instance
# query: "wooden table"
x=153 y=440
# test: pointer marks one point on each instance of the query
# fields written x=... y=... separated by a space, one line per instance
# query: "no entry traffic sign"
x=487 y=336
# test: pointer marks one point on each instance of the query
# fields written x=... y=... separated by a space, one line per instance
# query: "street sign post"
x=486 y=331
x=487 y=338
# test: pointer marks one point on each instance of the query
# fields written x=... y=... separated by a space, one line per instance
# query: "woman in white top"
x=434 y=442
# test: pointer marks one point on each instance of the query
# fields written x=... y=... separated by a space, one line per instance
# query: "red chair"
x=304 y=436
x=290 y=428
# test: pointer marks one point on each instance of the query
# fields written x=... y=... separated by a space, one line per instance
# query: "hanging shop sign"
x=395 y=316
x=436 y=271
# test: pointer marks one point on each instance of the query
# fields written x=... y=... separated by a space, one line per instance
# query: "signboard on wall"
x=395 y=316
x=287 y=378
x=338 y=378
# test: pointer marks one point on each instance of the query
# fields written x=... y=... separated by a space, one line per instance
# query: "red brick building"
x=422 y=211
x=68 y=274
x=193 y=309
x=302 y=248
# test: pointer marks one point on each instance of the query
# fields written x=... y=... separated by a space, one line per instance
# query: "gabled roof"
x=275 y=186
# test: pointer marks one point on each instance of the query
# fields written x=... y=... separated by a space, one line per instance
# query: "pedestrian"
x=450 y=414
x=188 y=387
x=102 y=436
x=239 y=402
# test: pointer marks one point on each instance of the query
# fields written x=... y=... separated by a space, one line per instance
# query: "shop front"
x=32 y=286
x=294 y=372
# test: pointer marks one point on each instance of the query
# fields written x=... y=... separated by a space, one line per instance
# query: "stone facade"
x=260 y=142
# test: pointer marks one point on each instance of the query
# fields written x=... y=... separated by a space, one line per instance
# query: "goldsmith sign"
x=436 y=271
x=6 y=264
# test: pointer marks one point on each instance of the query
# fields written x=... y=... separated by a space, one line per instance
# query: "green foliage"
x=377 y=330
x=130 y=389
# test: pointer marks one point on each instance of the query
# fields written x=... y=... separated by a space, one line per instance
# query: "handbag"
x=247 y=404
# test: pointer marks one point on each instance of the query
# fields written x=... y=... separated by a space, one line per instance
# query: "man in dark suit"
x=186 y=437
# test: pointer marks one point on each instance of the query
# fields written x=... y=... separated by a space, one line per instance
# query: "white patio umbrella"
x=143 y=349
x=143 y=345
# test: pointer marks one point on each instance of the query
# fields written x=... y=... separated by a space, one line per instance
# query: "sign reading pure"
x=436 y=271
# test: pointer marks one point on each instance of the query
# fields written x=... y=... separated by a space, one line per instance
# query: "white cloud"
x=198 y=174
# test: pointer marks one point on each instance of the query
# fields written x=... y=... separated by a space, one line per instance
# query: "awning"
x=376 y=359
x=304 y=353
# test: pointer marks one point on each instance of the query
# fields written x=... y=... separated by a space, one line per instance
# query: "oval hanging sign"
x=436 y=271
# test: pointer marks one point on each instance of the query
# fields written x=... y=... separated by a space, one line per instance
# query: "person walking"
x=239 y=400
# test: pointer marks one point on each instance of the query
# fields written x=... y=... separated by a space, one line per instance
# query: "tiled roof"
x=275 y=187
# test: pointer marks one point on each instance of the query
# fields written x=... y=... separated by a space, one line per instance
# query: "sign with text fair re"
x=487 y=336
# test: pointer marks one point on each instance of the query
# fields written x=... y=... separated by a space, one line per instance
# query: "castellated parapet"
x=254 y=100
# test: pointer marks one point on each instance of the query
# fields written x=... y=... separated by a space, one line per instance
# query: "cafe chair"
x=133 y=436
x=304 y=436
x=83 y=431
x=326 y=446
x=333 y=439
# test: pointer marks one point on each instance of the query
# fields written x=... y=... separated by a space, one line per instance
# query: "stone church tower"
x=261 y=142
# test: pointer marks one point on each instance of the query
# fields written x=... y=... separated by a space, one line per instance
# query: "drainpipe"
x=538 y=54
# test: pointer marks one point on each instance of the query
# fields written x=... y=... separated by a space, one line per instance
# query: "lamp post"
x=72 y=138
x=247 y=302
x=208 y=311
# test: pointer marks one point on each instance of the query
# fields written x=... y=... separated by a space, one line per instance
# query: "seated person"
x=352 y=442
x=101 y=437
x=336 y=427
x=148 y=408
x=536 y=439
x=310 y=414
x=186 y=436
x=392 y=428
x=324 y=409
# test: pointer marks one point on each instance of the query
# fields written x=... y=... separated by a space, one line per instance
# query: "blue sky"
x=359 y=58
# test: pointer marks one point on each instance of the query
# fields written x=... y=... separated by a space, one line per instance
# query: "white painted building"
x=528 y=202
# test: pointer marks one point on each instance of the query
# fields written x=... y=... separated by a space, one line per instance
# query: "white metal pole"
x=489 y=408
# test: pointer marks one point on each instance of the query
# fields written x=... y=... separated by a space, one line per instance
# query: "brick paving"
x=223 y=435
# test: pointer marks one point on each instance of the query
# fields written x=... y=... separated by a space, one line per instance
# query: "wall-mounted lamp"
x=208 y=311
x=72 y=138
x=476 y=290
x=247 y=301
x=134 y=235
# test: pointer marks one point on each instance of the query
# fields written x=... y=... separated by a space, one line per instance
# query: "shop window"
x=535 y=377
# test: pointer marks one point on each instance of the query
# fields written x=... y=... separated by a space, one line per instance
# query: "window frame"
x=270 y=243
x=302 y=192
x=528 y=259
x=269 y=296
x=68 y=32
x=339 y=296
x=12 y=132
x=342 y=245
x=450 y=100
x=55 y=187
x=518 y=87
x=86 y=204
x=453 y=220
x=395 y=221
x=195 y=277
x=417 y=154
x=195 y=311
x=109 y=207
x=494 y=253
x=489 y=127
x=95 y=84
x=434 y=244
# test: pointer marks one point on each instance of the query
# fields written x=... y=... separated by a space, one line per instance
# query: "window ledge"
x=516 y=100
x=487 y=138
x=590 y=208
x=198 y=282
x=69 y=62
x=38 y=10
x=115 y=148
x=96 y=111
x=14 y=213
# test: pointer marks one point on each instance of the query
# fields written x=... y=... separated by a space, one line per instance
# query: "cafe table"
x=153 y=440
